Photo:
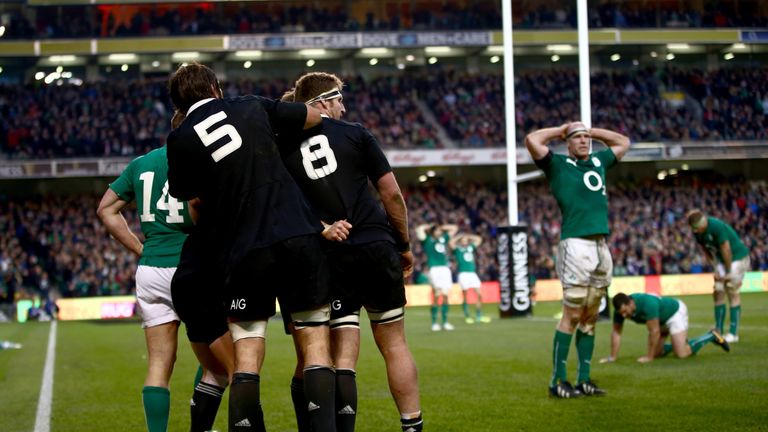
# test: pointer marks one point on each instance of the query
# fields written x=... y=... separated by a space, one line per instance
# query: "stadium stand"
x=275 y=17
x=724 y=104
x=58 y=242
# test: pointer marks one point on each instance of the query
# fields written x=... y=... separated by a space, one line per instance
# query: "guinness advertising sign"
x=514 y=283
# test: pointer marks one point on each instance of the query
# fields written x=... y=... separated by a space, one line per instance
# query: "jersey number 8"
x=315 y=149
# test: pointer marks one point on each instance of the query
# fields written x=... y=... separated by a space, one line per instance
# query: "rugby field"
x=481 y=377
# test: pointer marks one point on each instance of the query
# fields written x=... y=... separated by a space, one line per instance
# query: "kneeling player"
x=664 y=316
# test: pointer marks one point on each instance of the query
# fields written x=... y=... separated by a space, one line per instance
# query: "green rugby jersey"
x=465 y=258
x=162 y=217
x=717 y=233
x=436 y=250
x=579 y=188
x=650 y=307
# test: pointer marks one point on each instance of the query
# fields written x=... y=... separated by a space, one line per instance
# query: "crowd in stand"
x=276 y=17
x=129 y=118
x=58 y=243
x=726 y=104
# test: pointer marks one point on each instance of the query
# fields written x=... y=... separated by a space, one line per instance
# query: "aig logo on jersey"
x=237 y=304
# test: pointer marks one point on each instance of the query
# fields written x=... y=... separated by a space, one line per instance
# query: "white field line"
x=43 y=417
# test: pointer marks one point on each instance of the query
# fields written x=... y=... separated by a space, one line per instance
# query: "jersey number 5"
x=208 y=138
x=318 y=149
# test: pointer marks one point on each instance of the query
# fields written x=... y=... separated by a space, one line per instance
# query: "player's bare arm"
x=615 y=343
x=450 y=229
x=727 y=254
x=421 y=231
x=397 y=214
x=109 y=213
x=536 y=142
x=475 y=239
x=617 y=142
x=654 y=333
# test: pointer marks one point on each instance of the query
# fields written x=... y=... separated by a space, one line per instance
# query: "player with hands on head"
x=584 y=265
x=435 y=240
x=464 y=247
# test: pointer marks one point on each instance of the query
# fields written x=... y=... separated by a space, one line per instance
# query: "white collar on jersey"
x=198 y=104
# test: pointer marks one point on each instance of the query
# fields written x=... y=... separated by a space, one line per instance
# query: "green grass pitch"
x=489 y=377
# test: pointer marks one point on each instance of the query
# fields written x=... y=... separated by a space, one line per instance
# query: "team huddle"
x=255 y=201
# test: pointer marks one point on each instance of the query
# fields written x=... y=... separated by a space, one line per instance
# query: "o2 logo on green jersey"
x=440 y=248
x=315 y=149
x=593 y=181
x=469 y=257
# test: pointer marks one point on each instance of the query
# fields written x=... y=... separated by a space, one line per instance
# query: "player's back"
x=163 y=218
x=225 y=154
x=333 y=163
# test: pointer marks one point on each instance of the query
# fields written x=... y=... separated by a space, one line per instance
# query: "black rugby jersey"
x=332 y=164
x=225 y=153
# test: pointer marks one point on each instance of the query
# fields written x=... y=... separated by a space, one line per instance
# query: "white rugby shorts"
x=736 y=275
x=678 y=322
x=469 y=280
x=440 y=279
x=153 y=295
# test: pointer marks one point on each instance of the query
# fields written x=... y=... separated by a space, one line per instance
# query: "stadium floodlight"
x=678 y=46
x=124 y=57
x=410 y=57
x=40 y=75
x=431 y=173
x=155 y=64
x=60 y=69
x=66 y=74
x=68 y=58
x=729 y=56
x=374 y=51
x=310 y=62
x=124 y=67
x=247 y=64
x=185 y=55
x=373 y=62
x=670 y=56
x=422 y=178
x=437 y=50
x=312 y=52
x=401 y=66
x=2 y=31
x=249 y=53
x=432 y=60
x=555 y=58
x=654 y=54
x=685 y=167
x=560 y=48
x=495 y=59
x=615 y=57
x=1 y=69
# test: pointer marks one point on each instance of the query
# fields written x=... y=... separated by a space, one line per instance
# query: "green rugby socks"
x=735 y=318
x=585 y=346
x=157 y=406
x=561 y=345
x=719 y=317
x=700 y=341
